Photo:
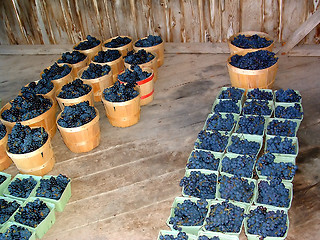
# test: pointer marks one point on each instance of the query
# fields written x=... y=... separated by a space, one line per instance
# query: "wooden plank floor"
x=124 y=188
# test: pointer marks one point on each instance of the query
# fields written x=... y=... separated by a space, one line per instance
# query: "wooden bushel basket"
x=97 y=84
x=83 y=138
x=123 y=49
x=91 y=52
x=38 y=162
x=77 y=66
x=5 y=161
x=242 y=78
x=235 y=49
x=157 y=49
x=72 y=101
x=47 y=120
x=58 y=83
x=123 y=114
x=152 y=64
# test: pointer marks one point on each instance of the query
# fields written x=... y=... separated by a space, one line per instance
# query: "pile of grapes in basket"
x=239 y=174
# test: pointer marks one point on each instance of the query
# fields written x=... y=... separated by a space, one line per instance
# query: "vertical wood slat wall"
x=68 y=21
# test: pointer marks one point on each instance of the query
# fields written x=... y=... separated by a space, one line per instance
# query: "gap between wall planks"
x=180 y=48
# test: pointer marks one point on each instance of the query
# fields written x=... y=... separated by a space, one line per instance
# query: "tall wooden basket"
x=117 y=66
x=157 y=49
x=91 y=52
x=83 y=138
x=123 y=49
x=58 y=83
x=77 y=66
x=5 y=161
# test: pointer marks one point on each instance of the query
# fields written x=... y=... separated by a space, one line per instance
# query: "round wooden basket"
x=123 y=49
x=151 y=64
x=146 y=88
x=158 y=49
x=38 y=162
x=72 y=101
x=77 y=66
x=91 y=52
x=235 y=49
x=97 y=84
x=5 y=161
x=123 y=114
x=83 y=138
x=117 y=66
x=58 y=83
x=45 y=120
x=242 y=78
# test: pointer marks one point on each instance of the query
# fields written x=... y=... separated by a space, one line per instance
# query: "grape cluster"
x=90 y=42
x=260 y=94
x=189 y=213
x=280 y=128
x=243 y=146
x=251 y=125
x=288 y=95
x=235 y=188
x=56 y=72
x=213 y=141
x=291 y=112
x=267 y=223
x=7 y=208
x=22 y=187
x=273 y=193
x=3 y=132
x=107 y=56
x=2 y=178
x=228 y=106
x=23 y=139
x=253 y=41
x=231 y=93
x=134 y=75
x=257 y=107
x=180 y=236
x=53 y=187
x=207 y=238
x=268 y=167
x=220 y=123
x=95 y=71
x=200 y=185
x=118 y=42
x=203 y=160
x=140 y=57
x=149 y=41
x=72 y=57
x=254 y=60
x=77 y=115
x=43 y=86
x=15 y=232
x=32 y=214
x=74 y=89
x=241 y=165
x=281 y=145
x=120 y=92
x=224 y=217
x=26 y=106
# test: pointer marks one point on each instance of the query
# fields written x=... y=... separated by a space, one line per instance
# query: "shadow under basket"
x=47 y=120
x=5 y=161
x=243 y=78
x=123 y=49
x=157 y=49
x=83 y=138
x=38 y=162
x=123 y=114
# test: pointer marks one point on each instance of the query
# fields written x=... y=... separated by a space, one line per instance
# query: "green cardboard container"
x=243 y=206
x=188 y=229
x=278 y=159
x=175 y=234
x=294 y=141
x=264 y=126
x=60 y=203
x=217 y=155
x=225 y=88
x=46 y=223
x=263 y=90
x=6 y=182
x=221 y=236
x=22 y=176
x=270 y=105
x=251 y=138
x=275 y=100
x=257 y=237
x=9 y=200
x=223 y=133
x=287 y=105
x=286 y=184
x=223 y=115
x=8 y=224
x=231 y=156
x=217 y=101
x=234 y=201
x=282 y=120
x=206 y=172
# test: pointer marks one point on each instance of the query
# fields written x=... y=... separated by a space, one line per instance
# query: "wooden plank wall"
x=68 y=21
